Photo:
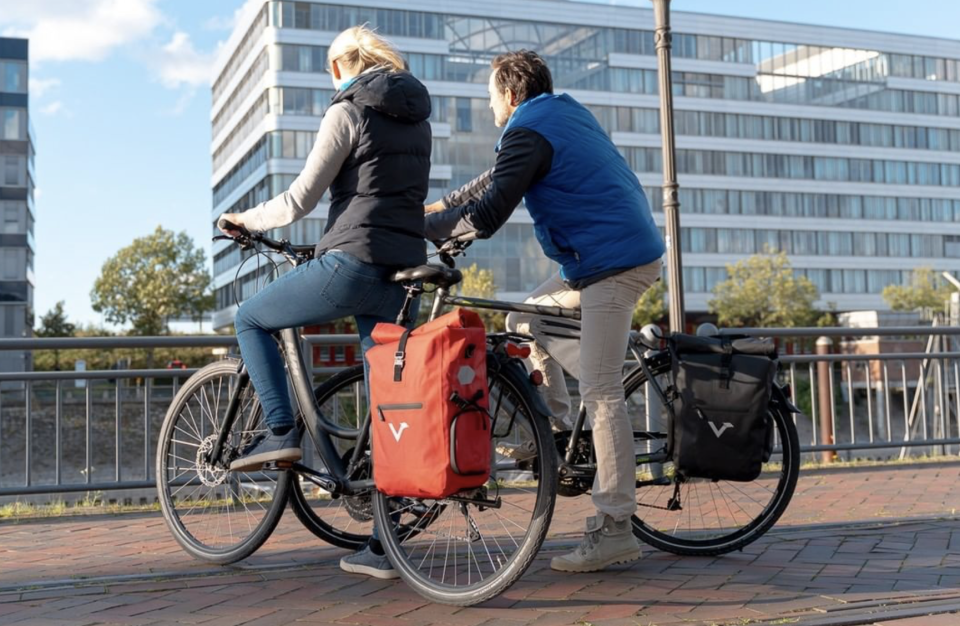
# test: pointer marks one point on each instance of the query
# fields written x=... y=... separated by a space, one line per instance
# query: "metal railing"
x=90 y=431
x=63 y=432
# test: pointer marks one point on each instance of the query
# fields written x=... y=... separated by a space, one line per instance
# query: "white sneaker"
x=605 y=543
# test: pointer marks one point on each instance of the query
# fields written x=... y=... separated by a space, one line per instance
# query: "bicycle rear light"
x=517 y=351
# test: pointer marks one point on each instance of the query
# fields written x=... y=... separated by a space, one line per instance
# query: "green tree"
x=479 y=283
x=652 y=306
x=55 y=324
x=762 y=291
x=922 y=293
x=156 y=278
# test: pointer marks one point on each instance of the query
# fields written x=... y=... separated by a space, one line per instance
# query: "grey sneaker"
x=366 y=562
x=605 y=543
x=268 y=447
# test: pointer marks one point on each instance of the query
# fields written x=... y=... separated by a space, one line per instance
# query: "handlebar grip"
x=224 y=224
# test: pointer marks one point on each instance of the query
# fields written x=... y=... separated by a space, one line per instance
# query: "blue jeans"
x=325 y=289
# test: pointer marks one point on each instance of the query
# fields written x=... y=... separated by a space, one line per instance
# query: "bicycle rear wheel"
x=466 y=550
x=215 y=514
x=701 y=517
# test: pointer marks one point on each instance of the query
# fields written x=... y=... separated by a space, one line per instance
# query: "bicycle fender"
x=513 y=370
x=780 y=395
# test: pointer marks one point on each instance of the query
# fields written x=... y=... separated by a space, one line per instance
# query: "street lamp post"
x=671 y=201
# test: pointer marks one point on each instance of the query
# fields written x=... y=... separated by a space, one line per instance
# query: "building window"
x=11 y=264
x=13 y=75
x=951 y=246
x=14 y=171
x=13 y=124
x=464 y=117
x=11 y=218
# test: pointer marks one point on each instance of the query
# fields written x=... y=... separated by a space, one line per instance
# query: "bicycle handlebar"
x=246 y=239
x=454 y=247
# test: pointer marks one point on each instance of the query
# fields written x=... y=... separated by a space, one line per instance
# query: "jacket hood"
x=397 y=94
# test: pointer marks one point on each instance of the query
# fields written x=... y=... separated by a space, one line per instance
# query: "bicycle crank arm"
x=324 y=481
x=577 y=471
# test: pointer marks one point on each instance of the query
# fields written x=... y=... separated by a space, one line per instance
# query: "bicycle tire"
x=726 y=539
x=218 y=487
x=544 y=471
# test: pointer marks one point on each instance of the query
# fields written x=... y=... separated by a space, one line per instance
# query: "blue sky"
x=120 y=100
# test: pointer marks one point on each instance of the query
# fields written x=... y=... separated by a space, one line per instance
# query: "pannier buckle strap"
x=725 y=360
x=399 y=356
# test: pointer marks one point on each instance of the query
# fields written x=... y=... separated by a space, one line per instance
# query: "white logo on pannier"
x=397 y=433
x=716 y=431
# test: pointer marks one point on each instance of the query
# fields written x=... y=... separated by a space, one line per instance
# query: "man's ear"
x=512 y=97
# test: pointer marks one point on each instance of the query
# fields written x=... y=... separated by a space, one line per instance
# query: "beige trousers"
x=606 y=311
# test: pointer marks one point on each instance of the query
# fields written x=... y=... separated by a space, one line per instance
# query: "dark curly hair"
x=524 y=73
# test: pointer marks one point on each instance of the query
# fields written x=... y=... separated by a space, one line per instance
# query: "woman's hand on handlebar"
x=231 y=224
x=434 y=207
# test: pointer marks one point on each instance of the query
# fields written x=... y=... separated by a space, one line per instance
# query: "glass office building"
x=840 y=147
x=16 y=203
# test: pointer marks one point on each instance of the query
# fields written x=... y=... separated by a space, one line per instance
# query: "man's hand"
x=234 y=218
x=436 y=207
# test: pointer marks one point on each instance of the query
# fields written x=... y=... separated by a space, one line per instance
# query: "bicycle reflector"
x=516 y=351
x=536 y=377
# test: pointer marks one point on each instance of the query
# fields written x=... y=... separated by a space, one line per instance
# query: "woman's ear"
x=335 y=69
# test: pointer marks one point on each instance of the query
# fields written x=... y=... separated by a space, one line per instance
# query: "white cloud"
x=179 y=63
x=53 y=108
x=88 y=30
x=40 y=86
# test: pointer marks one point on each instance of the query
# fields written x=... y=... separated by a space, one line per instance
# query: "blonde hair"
x=359 y=48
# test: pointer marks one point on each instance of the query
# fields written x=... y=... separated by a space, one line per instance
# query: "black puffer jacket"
x=376 y=208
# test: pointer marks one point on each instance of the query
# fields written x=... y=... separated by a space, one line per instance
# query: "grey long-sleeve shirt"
x=335 y=141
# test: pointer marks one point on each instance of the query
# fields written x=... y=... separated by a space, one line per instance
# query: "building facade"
x=16 y=203
x=840 y=147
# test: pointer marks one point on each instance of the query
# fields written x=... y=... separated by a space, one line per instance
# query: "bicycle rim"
x=701 y=516
x=215 y=514
x=468 y=553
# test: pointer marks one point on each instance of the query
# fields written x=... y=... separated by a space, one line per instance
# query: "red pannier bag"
x=430 y=420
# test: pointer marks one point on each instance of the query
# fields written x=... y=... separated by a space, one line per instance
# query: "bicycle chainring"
x=359 y=507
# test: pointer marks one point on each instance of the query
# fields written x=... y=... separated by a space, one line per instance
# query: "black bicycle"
x=222 y=516
x=469 y=547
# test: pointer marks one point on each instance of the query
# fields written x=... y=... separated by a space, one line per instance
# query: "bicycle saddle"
x=434 y=274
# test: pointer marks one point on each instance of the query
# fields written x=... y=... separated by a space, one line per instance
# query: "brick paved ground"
x=857 y=546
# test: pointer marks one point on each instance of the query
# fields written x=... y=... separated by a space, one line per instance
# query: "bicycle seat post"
x=413 y=292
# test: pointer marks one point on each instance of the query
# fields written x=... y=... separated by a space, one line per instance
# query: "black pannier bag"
x=719 y=423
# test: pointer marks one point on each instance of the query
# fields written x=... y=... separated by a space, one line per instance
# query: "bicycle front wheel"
x=215 y=514
x=702 y=517
x=469 y=548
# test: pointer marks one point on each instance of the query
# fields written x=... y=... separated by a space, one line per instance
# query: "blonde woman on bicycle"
x=373 y=154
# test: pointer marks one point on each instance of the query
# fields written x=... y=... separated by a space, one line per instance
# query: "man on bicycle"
x=590 y=216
